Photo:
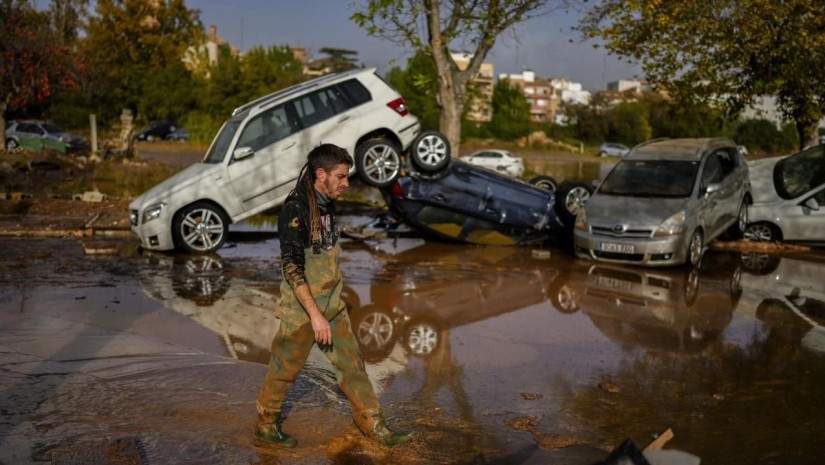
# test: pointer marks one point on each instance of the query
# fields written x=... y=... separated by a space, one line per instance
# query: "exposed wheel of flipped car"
x=545 y=182
x=571 y=198
x=430 y=151
x=378 y=162
x=200 y=228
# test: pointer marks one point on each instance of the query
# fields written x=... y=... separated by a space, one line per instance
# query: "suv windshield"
x=217 y=151
x=651 y=178
x=797 y=174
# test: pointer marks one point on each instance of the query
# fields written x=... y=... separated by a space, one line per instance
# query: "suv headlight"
x=581 y=220
x=672 y=226
x=152 y=212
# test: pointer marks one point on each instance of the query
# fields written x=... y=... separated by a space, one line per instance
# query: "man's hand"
x=323 y=332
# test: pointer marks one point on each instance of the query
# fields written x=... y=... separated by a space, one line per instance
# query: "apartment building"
x=480 y=108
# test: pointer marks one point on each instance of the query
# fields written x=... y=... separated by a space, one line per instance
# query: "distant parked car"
x=470 y=204
x=36 y=129
x=497 y=160
x=788 y=198
x=179 y=134
x=259 y=151
x=664 y=202
x=612 y=149
x=156 y=130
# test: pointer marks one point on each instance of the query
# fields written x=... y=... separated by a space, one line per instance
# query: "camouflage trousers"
x=290 y=349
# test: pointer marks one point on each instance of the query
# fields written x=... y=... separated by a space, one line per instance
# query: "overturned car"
x=475 y=205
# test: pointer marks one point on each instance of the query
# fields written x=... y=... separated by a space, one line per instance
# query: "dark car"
x=156 y=130
x=179 y=134
x=470 y=204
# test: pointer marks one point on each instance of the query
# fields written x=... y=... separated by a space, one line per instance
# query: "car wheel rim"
x=202 y=229
x=431 y=150
x=375 y=330
x=755 y=261
x=566 y=300
x=758 y=233
x=576 y=199
x=381 y=163
x=422 y=339
x=695 y=249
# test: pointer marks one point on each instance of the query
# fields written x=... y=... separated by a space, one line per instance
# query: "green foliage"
x=418 y=84
x=202 y=126
x=628 y=123
x=733 y=50
x=511 y=112
x=763 y=135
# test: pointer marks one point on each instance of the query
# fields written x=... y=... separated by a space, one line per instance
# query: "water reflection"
x=677 y=309
x=734 y=345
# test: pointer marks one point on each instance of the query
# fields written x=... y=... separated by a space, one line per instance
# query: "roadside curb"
x=46 y=226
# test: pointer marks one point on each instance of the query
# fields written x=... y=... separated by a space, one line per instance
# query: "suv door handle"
x=343 y=118
x=289 y=146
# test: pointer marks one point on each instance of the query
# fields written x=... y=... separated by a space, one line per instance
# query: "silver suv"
x=664 y=202
x=257 y=155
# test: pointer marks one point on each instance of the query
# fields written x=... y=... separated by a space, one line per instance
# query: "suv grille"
x=628 y=233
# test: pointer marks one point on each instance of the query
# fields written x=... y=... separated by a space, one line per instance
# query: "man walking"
x=311 y=309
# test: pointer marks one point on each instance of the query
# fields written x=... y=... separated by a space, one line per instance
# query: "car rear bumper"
x=659 y=251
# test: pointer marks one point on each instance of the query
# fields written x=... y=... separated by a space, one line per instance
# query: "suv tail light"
x=396 y=190
x=398 y=106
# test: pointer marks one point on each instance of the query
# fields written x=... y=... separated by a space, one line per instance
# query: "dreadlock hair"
x=326 y=157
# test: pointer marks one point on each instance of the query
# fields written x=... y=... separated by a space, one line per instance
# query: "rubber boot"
x=372 y=424
x=269 y=431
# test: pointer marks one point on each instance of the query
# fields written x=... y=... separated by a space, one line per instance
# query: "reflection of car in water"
x=671 y=308
x=788 y=292
x=423 y=291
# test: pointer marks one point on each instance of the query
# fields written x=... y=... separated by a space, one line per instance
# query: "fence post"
x=93 y=124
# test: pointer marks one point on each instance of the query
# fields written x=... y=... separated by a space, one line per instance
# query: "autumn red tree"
x=33 y=64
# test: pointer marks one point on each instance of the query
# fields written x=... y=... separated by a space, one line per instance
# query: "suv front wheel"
x=378 y=162
x=200 y=228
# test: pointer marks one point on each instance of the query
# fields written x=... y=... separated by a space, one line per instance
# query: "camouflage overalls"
x=295 y=336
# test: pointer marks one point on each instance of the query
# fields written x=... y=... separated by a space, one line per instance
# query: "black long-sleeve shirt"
x=294 y=234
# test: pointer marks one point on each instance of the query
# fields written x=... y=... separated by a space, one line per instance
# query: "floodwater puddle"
x=490 y=354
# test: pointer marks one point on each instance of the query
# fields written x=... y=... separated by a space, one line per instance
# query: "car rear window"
x=355 y=92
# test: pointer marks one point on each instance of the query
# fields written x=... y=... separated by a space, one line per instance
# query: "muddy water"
x=491 y=355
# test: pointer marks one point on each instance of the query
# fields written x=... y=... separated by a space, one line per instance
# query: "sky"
x=542 y=44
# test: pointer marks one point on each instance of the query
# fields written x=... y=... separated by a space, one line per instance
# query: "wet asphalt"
x=490 y=354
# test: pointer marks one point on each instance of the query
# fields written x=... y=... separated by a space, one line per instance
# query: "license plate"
x=613 y=282
x=617 y=248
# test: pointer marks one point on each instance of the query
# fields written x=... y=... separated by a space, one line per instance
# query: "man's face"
x=334 y=183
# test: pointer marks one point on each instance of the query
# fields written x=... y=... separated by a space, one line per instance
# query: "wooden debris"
x=660 y=441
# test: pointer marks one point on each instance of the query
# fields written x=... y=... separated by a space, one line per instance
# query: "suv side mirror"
x=242 y=152
x=812 y=204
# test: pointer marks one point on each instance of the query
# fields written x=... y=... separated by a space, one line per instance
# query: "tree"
x=731 y=50
x=432 y=26
x=628 y=123
x=130 y=41
x=33 y=64
x=511 y=112
x=418 y=83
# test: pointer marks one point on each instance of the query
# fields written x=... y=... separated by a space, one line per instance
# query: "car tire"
x=695 y=250
x=561 y=295
x=430 y=151
x=11 y=144
x=200 y=228
x=378 y=162
x=545 y=182
x=571 y=198
x=762 y=232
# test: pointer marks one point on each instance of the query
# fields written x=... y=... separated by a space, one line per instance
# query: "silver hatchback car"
x=664 y=202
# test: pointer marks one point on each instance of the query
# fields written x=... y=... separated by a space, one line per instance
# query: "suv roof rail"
x=301 y=86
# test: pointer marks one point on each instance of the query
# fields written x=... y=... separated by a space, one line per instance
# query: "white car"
x=613 y=149
x=257 y=155
x=497 y=160
x=788 y=198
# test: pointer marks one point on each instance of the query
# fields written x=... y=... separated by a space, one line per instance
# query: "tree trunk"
x=450 y=121
x=3 y=126
x=807 y=132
